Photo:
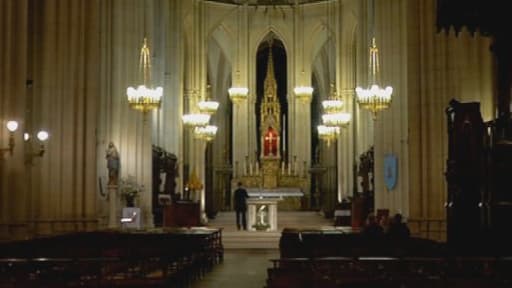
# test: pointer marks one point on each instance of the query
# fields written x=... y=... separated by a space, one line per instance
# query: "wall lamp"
x=11 y=126
x=42 y=136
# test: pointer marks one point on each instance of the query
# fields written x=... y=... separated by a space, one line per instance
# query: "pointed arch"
x=280 y=72
x=265 y=34
x=223 y=37
x=320 y=39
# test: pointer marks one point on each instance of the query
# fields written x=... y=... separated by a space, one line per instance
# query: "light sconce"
x=42 y=136
x=11 y=126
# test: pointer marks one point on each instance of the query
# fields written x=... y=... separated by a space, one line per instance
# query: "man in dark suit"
x=241 y=206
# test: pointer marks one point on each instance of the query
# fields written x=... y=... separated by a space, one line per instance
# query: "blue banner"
x=390 y=170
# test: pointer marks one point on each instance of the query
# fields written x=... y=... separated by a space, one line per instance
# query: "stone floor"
x=241 y=268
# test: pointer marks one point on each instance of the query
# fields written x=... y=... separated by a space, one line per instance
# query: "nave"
x=241 y=268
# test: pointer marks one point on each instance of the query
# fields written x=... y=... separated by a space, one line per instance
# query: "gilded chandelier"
x=374 y=98
x=144 y=98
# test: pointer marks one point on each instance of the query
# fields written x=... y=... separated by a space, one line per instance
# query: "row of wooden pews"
x=170 y=257
x=335 y=258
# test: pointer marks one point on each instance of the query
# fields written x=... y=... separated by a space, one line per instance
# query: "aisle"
x=241 y=268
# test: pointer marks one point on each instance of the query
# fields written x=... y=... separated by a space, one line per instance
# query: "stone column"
x=112 y=209
x=272 y=216
x=243 y=112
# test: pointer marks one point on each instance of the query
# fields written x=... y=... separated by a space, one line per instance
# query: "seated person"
x=397 y=229
x=372 y=229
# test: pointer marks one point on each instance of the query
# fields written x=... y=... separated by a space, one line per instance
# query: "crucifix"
x=270 y=141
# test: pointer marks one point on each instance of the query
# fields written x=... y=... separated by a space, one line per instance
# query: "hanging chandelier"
x=144 y=98
x=196 y=119
x=374 y=98
x=333 y=104
x=206 y=133
x=328 y=133
x=200 y=121
x=303 y=93
x=208 y=106
x=334 y=114
x=340 y=119
x=238 y=94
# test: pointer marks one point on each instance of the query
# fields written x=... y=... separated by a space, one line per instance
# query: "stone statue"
x=113 y=163
x=262 y=215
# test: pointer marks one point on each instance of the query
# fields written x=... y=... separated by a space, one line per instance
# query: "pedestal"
x=112 y=210
x=262 y=214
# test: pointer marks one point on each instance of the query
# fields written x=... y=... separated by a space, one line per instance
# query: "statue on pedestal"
x=113 y=164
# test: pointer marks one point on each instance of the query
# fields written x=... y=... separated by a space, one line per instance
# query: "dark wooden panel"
x=182 y=214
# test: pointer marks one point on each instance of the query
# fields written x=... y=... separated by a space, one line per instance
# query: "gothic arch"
x=223 y=37
x=320 y=39
x=270 y=30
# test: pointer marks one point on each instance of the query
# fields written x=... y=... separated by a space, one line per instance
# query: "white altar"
x=262 y=214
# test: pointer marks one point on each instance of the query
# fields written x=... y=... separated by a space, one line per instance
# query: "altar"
x=262 y=214
x=271 y=174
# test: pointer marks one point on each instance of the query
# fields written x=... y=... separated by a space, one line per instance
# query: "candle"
x=284 y=133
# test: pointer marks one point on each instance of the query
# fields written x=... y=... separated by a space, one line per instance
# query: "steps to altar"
x=234 y=239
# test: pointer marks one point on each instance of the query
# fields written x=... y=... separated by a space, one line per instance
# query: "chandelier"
x=144 y=98
x=340 y=119
x=328 y=133
x=238 y=94
x=303 y=93
x=206 y=133
x=374 y=98
x=200 y=121
x=333 y=104
x=334 y=114
x=196 y=119
x=208 y=106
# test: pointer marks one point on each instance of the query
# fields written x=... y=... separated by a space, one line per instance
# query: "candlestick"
x=284 y=133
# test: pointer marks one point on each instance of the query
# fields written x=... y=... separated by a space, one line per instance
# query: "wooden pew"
x=108 y=258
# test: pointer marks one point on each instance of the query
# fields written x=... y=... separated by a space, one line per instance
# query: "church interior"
x=127 y=126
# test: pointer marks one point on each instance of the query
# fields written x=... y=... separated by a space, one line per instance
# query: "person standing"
x=241 y=196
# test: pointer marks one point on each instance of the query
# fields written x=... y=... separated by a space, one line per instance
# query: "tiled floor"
x=241 y=268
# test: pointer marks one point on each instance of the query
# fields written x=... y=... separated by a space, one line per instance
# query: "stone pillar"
x=112 y=208
x=243 y=112
x=146 y=175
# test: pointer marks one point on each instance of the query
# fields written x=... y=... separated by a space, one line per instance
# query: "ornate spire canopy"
x=270 y=110
x=270 y=107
